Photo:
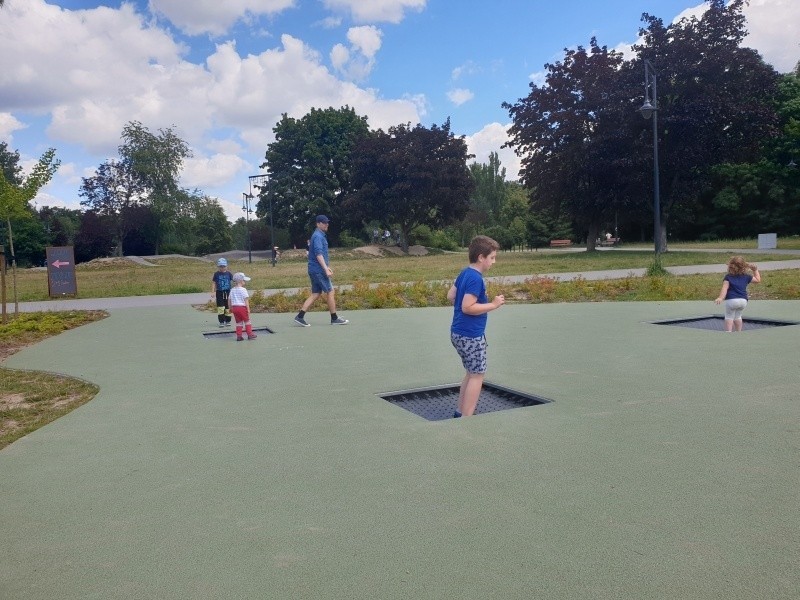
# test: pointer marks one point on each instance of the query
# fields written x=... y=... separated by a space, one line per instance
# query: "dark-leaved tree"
x=411 y=176
x=572 y=134
x=715 y=103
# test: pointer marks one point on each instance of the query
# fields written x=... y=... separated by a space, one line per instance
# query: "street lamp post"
x=246 y=198
x=259 y=181
x=648 y=110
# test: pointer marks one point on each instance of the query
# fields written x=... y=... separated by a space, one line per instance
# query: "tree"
x=60 y=224
x=715 y=102
x=490 y=190
x=309 y=166
x=94 y=238
x=411 y=176
x=155 y=162
x=15 y=196
x=211 y=228
x=571 y=134
x=763 y=195
x=113 y=189
x=9 y=163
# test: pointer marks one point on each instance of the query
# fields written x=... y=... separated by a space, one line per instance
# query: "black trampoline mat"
x=439 y=403
x=717 y=323
x=230 y=333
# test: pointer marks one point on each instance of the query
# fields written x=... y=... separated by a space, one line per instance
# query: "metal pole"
x=246 y=208
x=656 y=186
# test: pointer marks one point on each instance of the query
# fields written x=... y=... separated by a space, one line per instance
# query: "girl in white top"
x=239 y=304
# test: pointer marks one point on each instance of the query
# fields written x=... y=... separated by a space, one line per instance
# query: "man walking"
x=319 y=272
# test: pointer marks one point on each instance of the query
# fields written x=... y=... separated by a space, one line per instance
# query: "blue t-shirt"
x=469 y=281
x=737 y=286
x=318 y=245
x=223 y=280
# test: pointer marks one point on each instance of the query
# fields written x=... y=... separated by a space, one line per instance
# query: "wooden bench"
x=560 y=243
x=610 y=242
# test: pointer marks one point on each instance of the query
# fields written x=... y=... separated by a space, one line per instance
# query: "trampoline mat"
x=439 y=403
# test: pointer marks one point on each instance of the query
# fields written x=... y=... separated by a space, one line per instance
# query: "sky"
x=222 y=72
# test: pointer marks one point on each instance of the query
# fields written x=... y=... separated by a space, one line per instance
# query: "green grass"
x=784 y=243
x=776 y=285
x=29 y=399
x=177 y=276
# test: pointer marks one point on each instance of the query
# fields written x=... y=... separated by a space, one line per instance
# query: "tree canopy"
x=411 y=176
x=309 y=168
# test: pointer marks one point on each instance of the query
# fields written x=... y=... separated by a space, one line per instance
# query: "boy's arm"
x=470 y=306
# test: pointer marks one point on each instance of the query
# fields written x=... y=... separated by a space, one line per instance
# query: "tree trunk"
x=591 y=237
x=13 y=268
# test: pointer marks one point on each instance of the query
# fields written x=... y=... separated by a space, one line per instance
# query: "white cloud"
x=214 y=16
x=459 y=96
x=144 y=77
x=490 y=139
x=356 y=63
x=340 y=56
x=8 y=125
x=212 y=171
x=774 y=30
x=375 y=11
x=366 y=39
x=468 y=68
x=329 y=23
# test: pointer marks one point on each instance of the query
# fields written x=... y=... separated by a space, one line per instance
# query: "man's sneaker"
x=339 y=321
x=302 y=322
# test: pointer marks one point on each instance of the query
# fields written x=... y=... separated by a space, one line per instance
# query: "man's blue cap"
x=322 y=219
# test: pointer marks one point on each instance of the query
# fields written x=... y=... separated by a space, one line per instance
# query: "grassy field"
x=119 y=277
x=784 y=243
x=29 y=399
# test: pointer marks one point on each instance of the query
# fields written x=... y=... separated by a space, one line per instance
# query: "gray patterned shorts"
x=472 y=351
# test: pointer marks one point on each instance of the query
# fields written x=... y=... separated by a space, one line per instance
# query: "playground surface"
x=666 y=467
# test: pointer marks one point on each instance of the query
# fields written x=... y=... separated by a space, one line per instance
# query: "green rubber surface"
x=667 y=467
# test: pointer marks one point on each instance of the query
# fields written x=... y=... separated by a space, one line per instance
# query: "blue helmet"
x=222 y=262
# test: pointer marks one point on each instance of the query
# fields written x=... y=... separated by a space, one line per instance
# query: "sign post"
x=61 y=271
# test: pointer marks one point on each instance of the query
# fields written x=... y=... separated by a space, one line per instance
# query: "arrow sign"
x=58 y=264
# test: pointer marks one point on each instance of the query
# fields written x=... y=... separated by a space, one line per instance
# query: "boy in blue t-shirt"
x=220 y=288
x=470 y=308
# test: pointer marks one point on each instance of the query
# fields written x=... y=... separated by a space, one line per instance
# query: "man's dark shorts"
x=320 y=283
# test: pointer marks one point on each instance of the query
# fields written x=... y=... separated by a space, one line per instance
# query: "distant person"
x=319 y=272
x=470 y=308
x=375 y=236
x=734 y=291
x=220 y=288
x=386 y=237
x=275 y=255
x=239 y=300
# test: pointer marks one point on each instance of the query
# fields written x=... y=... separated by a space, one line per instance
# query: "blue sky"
x=73 y=72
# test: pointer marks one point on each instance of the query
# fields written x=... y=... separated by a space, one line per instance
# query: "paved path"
x=202 y=298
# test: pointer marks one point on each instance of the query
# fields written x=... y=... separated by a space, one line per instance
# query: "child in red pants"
x=239 y=303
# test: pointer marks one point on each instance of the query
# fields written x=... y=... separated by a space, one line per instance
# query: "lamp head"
x=647 y=109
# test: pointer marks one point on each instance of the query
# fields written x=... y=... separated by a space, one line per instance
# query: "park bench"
x=610 y=242
x=560 y=243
